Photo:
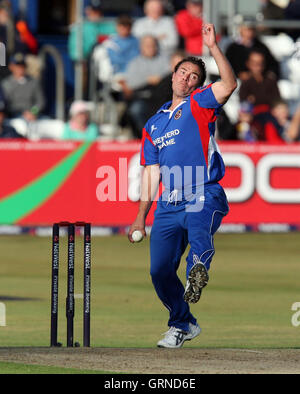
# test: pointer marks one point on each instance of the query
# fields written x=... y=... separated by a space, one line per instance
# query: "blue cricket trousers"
x=172 y=231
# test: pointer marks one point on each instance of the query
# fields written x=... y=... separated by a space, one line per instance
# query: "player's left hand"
x=209 y=35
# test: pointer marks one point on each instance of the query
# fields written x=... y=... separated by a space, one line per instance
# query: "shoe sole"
x=170 y=347
x=197 y=279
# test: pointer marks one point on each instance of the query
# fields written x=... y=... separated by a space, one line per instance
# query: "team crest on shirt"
x=178 y=114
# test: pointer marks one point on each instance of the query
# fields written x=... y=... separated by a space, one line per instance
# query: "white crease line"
x=245 y=350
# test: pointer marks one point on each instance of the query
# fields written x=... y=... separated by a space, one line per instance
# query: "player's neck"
x=175 y=102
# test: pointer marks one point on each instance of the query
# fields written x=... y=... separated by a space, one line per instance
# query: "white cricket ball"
x=137 y=236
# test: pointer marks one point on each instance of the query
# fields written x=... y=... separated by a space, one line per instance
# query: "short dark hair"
x=124 y=20
x=257 y=51
x=198 y=62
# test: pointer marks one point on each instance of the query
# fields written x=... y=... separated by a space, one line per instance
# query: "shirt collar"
x=166 y=106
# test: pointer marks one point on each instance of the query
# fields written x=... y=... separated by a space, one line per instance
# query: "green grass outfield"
x=247 y=304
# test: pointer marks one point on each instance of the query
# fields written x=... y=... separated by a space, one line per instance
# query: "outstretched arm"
x=224 y=88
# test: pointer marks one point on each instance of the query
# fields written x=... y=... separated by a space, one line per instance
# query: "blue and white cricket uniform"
x=192 y=205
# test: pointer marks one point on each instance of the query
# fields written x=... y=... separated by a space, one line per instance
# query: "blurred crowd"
x=132 y=58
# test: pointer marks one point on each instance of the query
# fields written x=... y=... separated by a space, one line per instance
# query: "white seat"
x=103 y=67
x=20 y=125
x=50 y=128
x=293 y=70
x=210 y=65
x=289 y=90
x=233 y=105
x=280 y=45
x=40 y=129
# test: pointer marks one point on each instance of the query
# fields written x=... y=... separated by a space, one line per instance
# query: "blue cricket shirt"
x=182 y=143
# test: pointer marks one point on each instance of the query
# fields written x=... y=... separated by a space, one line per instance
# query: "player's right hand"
x=136 y=225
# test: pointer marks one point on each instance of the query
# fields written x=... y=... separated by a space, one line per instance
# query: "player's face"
x=186 y=79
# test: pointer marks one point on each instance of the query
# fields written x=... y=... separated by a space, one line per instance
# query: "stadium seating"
x=280 y=45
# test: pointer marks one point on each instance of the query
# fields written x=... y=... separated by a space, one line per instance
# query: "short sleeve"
x=206 y=98
x=149 y=152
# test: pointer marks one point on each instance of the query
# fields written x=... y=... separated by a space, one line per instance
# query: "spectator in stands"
x=94 y=28
x=25 y=37
x=170 y=6
x=15 y=35
x=23 y=94
x=157 y=24
x=162 y=92
x=279 y=128
x=260 y=89
x=189 y=25
x=79 y=126
x=144 y=72
x=122 y=47
x=245 y=127
x=6 y=131
x=238 y=52
x=114 y=54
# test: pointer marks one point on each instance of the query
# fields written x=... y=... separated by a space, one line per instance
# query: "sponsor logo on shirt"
x=167 y=139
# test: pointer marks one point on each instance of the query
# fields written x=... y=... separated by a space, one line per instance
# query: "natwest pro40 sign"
x=47 y=181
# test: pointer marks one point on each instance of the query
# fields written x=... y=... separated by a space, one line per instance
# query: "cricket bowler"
x=179 y=150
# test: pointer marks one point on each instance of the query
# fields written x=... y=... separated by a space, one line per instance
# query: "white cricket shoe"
x=194 y=331
x=197 y=279
x=174 y=338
